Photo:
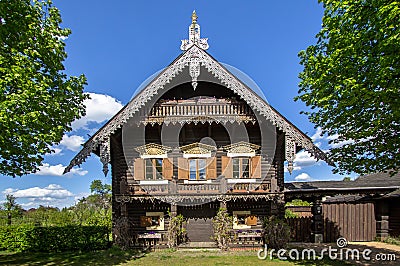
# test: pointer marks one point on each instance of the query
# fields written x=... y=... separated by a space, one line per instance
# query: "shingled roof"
x=379 y=184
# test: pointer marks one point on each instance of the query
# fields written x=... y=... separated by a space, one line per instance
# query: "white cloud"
x=58 y=170
x=52 y=191
x=56 y=151
x=339 y=144
x=303 y=177
x=303 y=158
x=72 y=143
x=317 y=134
x=99 y=108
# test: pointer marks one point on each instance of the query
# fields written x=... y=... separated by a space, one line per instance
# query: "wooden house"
x=194 y=139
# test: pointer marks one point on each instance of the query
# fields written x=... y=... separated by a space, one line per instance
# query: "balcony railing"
x=215 y=187
x=200 y=109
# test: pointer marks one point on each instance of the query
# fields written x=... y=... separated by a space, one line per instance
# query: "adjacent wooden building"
x=194 y=139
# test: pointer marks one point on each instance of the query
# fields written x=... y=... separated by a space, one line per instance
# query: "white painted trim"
x=247 y=154
x=241 y=180
x=197 y=181
x=161 y=156
x=190 y=155
x=153 y=182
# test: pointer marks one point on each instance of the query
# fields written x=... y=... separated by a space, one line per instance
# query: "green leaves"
x=38 y=102
x=351 y=82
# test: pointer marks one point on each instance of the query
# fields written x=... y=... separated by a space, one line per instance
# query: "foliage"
x=12 y=208
x=351 y=81
x=393 y=240
x=276 y=233
x=222 y=224
x=346 y=179
x=51 y=238
x=176 y=233
x=99 y=188
x=290 y=214
x=38 y=102
x=298 y=202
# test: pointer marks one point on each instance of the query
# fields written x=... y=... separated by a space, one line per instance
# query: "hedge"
x=54 y=238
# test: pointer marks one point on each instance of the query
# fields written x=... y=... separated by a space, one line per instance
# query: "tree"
x=38 y=101
x=98 y=187
x=351 y=82
x=12 y=208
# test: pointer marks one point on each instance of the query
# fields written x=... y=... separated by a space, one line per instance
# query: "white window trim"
x=161 y=156
x=241 y=180
x=196 y=181
x=153 y=182
x=248 y=154
x=161 y=225
x=194 y=156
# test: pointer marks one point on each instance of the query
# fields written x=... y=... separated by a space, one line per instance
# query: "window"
x=197 y=168
x=153 y=169
x=240 y=167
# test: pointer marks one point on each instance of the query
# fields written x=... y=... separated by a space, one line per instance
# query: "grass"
x=116 y=256
x=392 y=240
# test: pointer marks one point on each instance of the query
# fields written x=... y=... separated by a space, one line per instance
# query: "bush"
x=276 y=233
x=222 y=224
x=54 y=238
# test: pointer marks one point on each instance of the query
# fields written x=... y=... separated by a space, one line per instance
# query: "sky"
x=119 y=44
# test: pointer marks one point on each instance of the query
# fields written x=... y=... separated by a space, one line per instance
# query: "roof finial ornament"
x=194 y=36
x=194 y=17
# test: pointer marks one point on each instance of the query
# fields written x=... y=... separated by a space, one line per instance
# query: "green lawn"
x=165 y=257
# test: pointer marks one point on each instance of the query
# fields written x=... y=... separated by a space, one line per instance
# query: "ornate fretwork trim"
x=290 y=152
x=197 y=149
x=152 y=149
x=226 y=78
x=173 y=199
x=241 y=147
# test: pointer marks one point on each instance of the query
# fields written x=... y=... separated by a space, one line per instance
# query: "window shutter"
x=256 y=167
x=145 y=221
x=251 y=220
x=167 y=168
x=183 y=168
x=227 y=169
x=138 y=169
x=211 y=171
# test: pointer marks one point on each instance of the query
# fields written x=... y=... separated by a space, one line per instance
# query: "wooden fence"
x=353 y=221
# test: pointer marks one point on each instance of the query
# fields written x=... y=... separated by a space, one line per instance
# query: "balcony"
x=197 y=110
x=209 y=187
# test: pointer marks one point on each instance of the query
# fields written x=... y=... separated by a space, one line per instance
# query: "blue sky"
x=119 y=44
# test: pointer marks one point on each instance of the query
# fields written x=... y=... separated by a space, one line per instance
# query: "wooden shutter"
x=227 y=169
x=138 y=169
x=251 y=220
x=145 y=221
x=167 y=168
x=255 y=167
x=183 y=168
x=211 y=170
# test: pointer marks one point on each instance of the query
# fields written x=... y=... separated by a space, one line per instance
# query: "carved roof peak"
x=194 y=36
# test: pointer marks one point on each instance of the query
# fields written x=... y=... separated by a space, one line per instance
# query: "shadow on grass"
x=111 y=256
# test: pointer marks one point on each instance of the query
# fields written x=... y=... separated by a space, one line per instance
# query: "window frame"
x=156 y=174
x=198 y=169
x=240 y=171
